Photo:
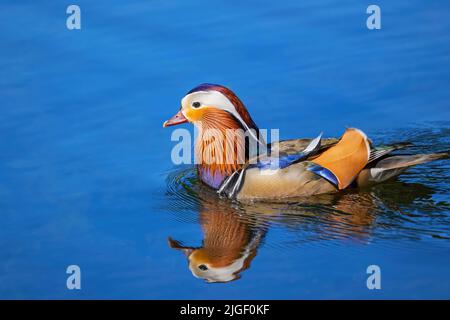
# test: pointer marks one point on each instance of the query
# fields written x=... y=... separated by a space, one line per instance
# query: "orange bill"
x=176 y=119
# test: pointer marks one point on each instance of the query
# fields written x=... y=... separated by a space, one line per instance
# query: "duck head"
x=216 y=112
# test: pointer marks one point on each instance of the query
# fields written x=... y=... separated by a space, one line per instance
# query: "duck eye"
x=196 y=104
x=203 y=267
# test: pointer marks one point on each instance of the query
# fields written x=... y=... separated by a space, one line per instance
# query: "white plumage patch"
x=214 y=99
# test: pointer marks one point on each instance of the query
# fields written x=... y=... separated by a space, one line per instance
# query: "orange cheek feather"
x=194 y=114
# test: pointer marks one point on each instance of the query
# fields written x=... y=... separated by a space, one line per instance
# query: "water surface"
x=85 y=170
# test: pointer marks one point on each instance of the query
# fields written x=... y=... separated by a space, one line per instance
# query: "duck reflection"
x=230 y=244
x=232 y=232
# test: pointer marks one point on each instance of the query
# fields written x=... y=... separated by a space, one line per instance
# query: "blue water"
x=85 y=170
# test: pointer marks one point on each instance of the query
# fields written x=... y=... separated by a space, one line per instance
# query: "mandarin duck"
x=281 y=169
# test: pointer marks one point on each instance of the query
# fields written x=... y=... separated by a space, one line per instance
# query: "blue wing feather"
x=325 y=173
x=281 y=162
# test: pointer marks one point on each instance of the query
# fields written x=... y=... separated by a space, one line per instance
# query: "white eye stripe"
x=218 y=100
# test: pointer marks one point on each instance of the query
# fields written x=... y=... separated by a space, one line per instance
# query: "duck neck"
x=223 y=146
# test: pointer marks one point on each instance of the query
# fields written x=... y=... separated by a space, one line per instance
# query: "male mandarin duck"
x=289 y=168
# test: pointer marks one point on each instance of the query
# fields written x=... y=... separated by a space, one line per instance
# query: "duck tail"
x=392 y=166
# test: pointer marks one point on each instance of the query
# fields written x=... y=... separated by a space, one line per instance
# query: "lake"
x=86 y=176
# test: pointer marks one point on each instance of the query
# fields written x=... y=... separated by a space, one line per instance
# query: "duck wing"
x=341 y=163
x=336 y=161
x=392 y=165
x=381 y=151
x=280 y=155
x=295 y=146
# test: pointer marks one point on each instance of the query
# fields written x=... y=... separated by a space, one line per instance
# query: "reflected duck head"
x=215 y=265
x=228 y=247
